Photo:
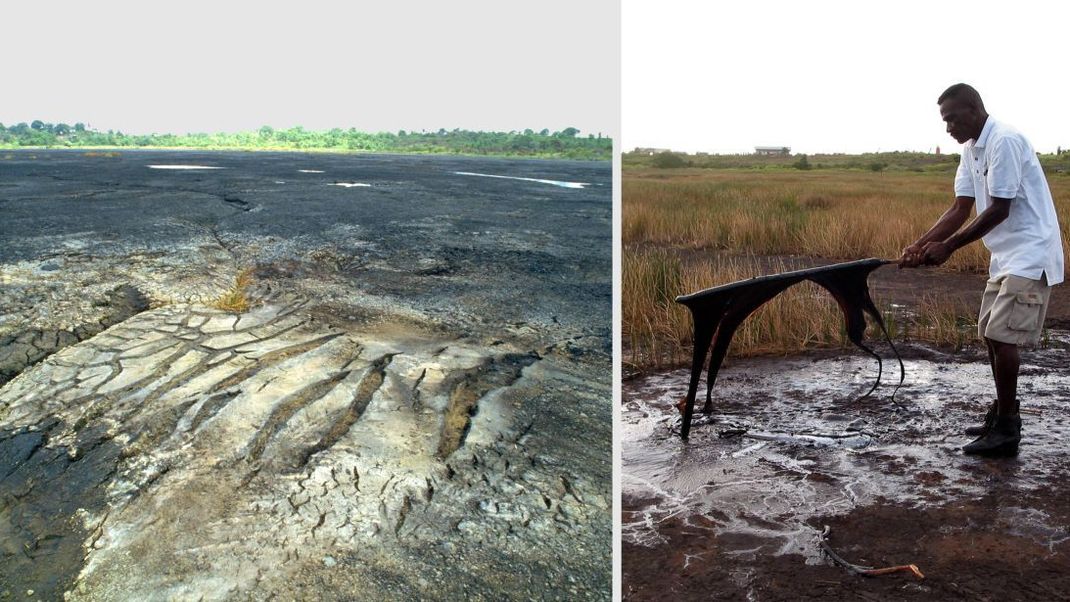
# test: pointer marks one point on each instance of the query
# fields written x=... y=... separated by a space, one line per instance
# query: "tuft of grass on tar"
x=235 y=299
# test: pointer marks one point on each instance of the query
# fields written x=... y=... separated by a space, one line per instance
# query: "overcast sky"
x=199 y=66
x=837 y=76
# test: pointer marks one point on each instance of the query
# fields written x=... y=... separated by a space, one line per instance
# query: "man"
x=999 y=174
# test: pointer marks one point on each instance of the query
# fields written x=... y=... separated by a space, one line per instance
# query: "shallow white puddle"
x=539 y=180
x=184 y=167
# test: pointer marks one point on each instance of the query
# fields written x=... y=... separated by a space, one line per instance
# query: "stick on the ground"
x=865 y=571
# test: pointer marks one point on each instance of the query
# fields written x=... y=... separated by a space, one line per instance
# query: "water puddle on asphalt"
x=179 y=167
x=787 y=443
x=539 y=180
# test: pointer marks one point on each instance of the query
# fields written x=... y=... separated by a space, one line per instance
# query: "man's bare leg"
x=990 y=416
x=1005 y=364
x=991 y=358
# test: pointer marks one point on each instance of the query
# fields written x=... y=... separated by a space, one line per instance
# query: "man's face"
x=963 y=120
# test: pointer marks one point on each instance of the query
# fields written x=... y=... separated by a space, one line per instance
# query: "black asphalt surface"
x=505 y=250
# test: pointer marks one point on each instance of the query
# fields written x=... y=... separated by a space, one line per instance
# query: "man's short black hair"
x=963 y=93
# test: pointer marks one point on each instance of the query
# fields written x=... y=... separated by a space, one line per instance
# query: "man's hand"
x=912 y=256
x=936 y=253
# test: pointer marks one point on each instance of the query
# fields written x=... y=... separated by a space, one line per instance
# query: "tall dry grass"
x=658 y=331
x=831 y=214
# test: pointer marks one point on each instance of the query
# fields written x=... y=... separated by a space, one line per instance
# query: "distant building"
x=772 y=150
x=651 y=151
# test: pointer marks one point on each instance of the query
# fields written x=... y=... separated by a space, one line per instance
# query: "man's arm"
x=1004 y=176
x=948 y=224
x=936 y=252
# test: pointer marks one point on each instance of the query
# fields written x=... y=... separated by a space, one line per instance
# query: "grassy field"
x=741 y=217
x=886 y=161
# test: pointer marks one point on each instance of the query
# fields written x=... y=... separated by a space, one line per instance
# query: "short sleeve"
x=1005 y=168
x=963 y=181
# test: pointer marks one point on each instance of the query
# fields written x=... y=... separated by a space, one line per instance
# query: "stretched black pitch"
x=717 y=312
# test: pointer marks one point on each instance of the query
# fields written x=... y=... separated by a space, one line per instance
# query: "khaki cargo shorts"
x=1013 y=309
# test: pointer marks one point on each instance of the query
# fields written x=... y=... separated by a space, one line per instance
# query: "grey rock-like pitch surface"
x=337 y=440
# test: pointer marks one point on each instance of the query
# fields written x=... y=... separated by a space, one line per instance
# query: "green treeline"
x=1057 y=163
x=564 y=144
x=891 y=161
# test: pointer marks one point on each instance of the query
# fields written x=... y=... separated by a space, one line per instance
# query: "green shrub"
x=668 y=160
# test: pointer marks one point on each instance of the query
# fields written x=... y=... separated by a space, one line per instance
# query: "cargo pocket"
x=1025 y=314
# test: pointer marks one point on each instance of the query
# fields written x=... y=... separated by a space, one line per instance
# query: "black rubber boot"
x=1001 y=440
x=990 y=417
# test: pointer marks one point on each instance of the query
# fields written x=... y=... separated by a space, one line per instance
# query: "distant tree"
x=544 y=132
x=877 y=166
x=668 y=160
x=802 y=163
x=37 y=125
x=79 y=127
x=569 y=132
x=61 y=129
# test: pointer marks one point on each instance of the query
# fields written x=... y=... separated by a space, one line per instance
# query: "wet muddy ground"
x=736 y=512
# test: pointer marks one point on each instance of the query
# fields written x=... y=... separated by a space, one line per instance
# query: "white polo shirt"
x=1001 y=163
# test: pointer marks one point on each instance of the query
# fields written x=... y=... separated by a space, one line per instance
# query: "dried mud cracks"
x=193 y=453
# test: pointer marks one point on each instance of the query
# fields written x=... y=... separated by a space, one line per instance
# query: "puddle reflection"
x=788 y=444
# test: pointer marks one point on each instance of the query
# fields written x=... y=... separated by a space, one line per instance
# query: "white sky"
x=199 y=66
x=831 y=76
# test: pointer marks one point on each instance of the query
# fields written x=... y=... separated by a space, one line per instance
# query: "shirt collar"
x=985 y=131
